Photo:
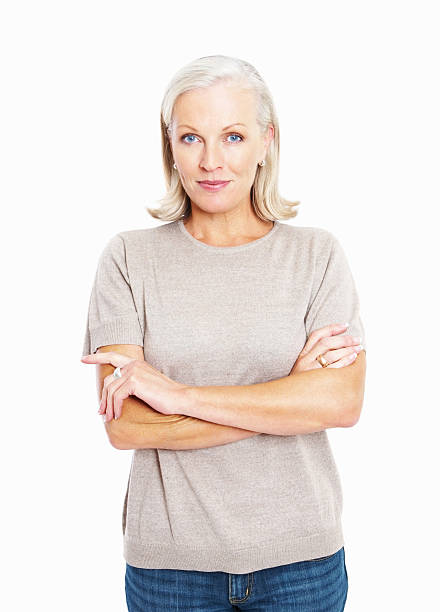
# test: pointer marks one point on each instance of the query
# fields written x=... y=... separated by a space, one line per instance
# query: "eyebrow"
x=225 y=128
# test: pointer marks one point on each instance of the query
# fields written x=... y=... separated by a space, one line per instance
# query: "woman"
x=222 y=325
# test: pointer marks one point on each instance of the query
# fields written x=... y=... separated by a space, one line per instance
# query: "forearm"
x=140 y=426
x=297 y=404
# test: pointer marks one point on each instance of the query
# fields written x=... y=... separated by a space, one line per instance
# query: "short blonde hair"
x=204 y=72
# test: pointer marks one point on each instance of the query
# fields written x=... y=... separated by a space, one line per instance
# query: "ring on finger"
x=322 y=360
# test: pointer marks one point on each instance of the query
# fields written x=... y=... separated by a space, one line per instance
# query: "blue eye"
x=235 y=135
x=192 y=136
x=186 y=136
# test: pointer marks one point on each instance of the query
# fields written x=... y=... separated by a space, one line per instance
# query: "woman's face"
x=208 y=145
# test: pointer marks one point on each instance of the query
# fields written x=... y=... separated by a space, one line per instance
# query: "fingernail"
x=104 y=417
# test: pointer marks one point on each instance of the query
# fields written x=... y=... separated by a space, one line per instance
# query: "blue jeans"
x=317 y=585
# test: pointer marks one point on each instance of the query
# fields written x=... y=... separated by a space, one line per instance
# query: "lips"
x=213 y=182
x=213 y=186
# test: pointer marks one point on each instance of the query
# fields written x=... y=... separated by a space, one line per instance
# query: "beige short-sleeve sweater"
x=208 y=315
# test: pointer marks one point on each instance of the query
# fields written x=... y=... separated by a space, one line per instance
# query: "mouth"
x=213 y=185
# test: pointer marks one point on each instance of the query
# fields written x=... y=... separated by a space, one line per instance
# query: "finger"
x=119 y=396
x=330 y=343
x=345 y=361
x=335 y=355
x=323 y=332
x=344 y=352
x=103 y=403
x=108 y=380
x=101 y=408
x=108 y=416
x=111 y=390
x=115 y=359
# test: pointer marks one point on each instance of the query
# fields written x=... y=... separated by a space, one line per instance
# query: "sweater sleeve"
x=112 y=316
x=334 y=296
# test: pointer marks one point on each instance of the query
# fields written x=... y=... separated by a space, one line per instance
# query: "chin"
x=210 y=205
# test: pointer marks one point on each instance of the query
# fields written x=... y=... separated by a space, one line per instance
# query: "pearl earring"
x=262 y=162
x=174 y=166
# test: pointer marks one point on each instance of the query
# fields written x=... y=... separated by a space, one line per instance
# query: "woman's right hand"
x=338 y=350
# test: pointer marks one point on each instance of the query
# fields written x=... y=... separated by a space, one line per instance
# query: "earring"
x=174 y=166
x=262 y=162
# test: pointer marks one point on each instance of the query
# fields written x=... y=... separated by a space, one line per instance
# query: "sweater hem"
x=281 y=550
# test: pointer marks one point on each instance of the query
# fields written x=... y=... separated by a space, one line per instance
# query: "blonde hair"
x=204 y=72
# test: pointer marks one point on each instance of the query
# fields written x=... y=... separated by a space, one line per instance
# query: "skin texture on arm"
x=315 y=400
x=305 y=402
x=140 y=426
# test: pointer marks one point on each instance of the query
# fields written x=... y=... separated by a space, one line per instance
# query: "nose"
x=212 y=158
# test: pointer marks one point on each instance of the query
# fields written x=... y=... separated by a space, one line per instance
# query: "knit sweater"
x=237 y=315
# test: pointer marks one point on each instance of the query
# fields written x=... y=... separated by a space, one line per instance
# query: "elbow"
x=117 y=436
x=354 y=386
x=352 y=412
x=121 y=444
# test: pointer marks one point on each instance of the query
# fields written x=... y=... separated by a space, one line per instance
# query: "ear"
x=270 y=134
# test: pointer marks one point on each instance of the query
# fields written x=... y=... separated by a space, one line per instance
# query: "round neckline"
x=227 y=249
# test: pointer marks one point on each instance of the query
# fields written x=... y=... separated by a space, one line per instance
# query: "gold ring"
x=323 y=361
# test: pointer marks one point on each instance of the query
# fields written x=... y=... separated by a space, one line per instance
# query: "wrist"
x=189 y=400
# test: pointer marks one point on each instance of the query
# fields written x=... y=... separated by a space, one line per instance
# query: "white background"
x=356 y=89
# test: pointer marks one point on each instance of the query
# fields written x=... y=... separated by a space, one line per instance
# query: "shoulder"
x=306 y=232
x=315 y=240
x=135 y=247
x=138 y=241
x=148 y=235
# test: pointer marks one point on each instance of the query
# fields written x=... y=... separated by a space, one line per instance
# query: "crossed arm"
x=140 y=426
x=301 y=403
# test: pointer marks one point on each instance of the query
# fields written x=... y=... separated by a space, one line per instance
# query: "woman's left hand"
x=138 y=378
